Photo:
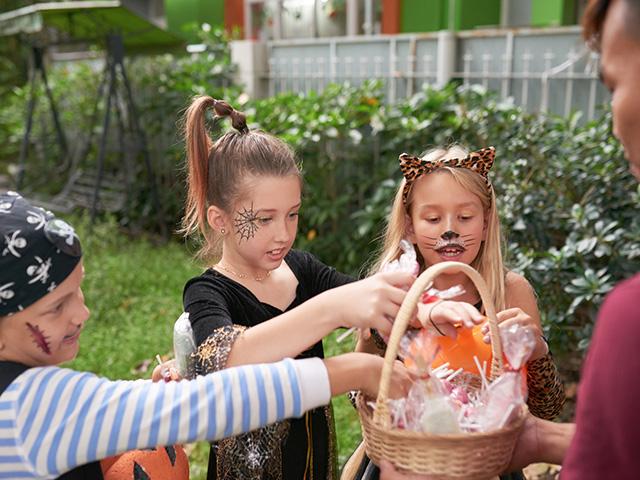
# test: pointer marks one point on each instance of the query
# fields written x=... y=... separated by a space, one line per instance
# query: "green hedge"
x=567 y=201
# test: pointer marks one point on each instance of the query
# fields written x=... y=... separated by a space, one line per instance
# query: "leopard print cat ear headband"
x=413 y=167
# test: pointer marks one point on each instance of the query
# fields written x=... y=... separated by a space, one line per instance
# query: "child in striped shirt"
x=58 y=423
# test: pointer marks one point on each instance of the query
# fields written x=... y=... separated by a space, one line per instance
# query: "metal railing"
x=546 y=70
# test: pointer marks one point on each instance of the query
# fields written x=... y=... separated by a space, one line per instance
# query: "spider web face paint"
x=245 y=223
x=39 y=338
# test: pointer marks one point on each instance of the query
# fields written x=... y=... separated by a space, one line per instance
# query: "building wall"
x=433 y=15
x=422 y=15
x=470 y=14
x=184 y=12
x=548 y=13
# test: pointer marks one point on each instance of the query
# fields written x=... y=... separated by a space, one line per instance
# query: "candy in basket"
x=442 y=401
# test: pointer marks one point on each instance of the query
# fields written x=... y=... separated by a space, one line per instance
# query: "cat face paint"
x=447 y=221
x=246 y=223
x=451 y=243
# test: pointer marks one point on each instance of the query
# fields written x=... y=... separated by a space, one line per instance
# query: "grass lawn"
x=134 y=291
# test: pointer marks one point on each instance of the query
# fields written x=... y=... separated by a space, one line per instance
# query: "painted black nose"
x=449 y=235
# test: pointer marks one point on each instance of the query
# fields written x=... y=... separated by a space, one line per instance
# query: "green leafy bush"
x=566 y=198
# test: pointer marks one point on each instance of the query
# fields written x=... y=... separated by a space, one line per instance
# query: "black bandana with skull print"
x=37 y=253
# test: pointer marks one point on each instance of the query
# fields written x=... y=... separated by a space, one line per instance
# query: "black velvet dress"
x=220 y=309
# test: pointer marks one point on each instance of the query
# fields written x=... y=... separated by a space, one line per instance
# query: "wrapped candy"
x=500 y=400
x=427 y=407
x=184 y=346
x=417 y=349
x=439 y=416
x=518 y=344
x=407 y=262
x=438 y=405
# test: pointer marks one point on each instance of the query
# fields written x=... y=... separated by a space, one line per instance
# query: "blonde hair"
x=489 y=262
x=217 y=170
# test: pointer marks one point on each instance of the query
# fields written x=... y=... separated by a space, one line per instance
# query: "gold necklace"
x=242 y=275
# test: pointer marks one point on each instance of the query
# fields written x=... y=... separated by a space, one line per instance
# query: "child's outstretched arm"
x=54 y=419
x=440 y=316
x=368 y=303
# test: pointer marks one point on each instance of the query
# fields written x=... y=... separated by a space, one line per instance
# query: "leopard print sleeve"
x=546 y=392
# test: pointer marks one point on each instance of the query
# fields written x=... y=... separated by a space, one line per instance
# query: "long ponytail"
x=198 y=145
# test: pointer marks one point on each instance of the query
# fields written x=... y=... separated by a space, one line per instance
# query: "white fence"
x=548 y=70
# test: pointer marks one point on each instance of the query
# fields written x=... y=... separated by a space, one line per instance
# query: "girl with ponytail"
x=258 y=299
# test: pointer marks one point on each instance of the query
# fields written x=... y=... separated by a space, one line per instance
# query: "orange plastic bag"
x=460 y=352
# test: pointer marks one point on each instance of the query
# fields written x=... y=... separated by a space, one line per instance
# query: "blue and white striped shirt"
x=53 y=419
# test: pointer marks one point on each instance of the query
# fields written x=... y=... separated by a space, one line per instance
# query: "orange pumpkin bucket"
x=169 y=462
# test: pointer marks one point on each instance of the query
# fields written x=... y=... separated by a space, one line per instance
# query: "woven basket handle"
x=381 y=414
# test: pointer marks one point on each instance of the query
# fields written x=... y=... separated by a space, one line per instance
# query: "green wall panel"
x=433 y=15
x=471 y=14
x=183 y=12
x=422 y=15
x=553 y=12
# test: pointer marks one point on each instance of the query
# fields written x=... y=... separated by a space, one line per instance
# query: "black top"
x=214 y=301
x=9 y=371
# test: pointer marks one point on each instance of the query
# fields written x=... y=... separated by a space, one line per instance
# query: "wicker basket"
x=466 y=456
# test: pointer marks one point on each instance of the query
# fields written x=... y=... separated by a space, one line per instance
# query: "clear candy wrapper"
x=184 y=346
x=407 y=262
x=518 y=344
x=448 y=294
x=498 y=402
x=417 y=349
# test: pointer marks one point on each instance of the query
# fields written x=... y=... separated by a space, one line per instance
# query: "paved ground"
x=542 y=471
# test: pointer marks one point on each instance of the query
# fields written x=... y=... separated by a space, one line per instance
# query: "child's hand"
x=373 y=302
x=166 y=371
x=516 y=315
x=401 y=379
x=446 y=315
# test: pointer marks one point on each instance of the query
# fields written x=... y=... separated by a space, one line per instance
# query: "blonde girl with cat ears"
x=446 y=206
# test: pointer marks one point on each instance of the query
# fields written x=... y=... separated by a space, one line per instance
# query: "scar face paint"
x=39 y=338
x=451 y=243
x=246 y=223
